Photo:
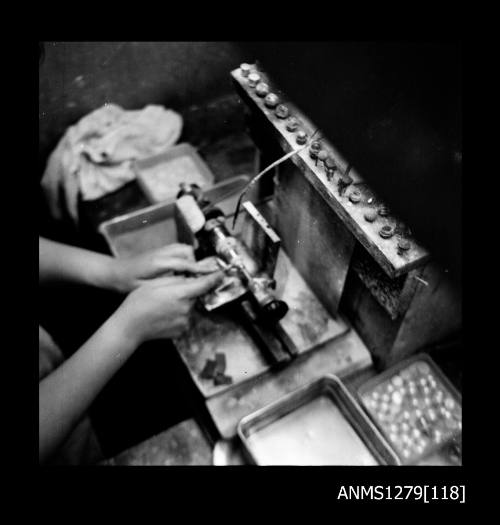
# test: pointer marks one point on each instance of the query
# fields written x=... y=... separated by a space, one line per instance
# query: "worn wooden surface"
x=383 y=250
x=184 y=444
x=307 y=323
x=342 y=356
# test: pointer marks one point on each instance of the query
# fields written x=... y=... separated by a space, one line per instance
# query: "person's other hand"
x=132 y=272
x=161 y=307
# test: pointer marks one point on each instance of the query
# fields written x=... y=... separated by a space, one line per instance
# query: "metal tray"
x=371 y=385
x=154 y=226
x=269 y=432
x=163 y=188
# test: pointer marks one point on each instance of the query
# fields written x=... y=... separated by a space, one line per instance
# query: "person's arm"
x=159 y=309
x=66 y=393
x=62 y=263
x=59 y=262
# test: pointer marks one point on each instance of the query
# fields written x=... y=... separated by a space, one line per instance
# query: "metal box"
x=319 y=424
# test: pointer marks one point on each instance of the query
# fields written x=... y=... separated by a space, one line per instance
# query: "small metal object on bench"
x=215 y=369
x=271 y=100
x=281 y=111
x=261 y=89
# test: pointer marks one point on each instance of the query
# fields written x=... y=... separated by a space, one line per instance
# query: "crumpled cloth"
x=95 y=156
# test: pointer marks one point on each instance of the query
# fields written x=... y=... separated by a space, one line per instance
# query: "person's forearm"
x=59 y=262
x=66 y=394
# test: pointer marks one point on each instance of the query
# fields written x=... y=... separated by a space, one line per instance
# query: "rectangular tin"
x=323 y=445
x=159 y=182
x=369 y=386
x=154 y=226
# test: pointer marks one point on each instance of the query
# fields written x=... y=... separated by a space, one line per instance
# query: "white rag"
x=95 y=156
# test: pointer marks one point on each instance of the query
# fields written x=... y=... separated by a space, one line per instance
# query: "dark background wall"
x=394 y=110
x=78 y=77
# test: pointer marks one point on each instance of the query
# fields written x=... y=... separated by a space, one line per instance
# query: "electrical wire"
x=266 y=170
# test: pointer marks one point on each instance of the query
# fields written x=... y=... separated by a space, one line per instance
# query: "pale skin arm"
x=66 y=394
x=62 y=263
x=159 y=309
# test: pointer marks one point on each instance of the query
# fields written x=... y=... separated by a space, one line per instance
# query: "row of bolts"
x=272 y=101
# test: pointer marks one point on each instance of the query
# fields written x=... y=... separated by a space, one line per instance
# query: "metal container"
x=159 y=175
x=406 y=405
x=319 y=424
x=154 y=226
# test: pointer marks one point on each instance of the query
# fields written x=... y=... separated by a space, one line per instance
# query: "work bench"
x=353 y=292
x=326 y=344
x=189 y=443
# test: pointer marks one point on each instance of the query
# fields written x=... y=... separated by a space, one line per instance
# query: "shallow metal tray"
x=154 y=226
x=162 y=191
x=331 y=388
x=369 y=386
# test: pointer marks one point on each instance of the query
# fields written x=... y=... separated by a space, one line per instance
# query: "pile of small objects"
x=415 y=410
x=215 y=368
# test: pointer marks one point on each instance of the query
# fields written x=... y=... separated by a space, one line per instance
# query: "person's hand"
x=161 y=307
x=129 y=273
